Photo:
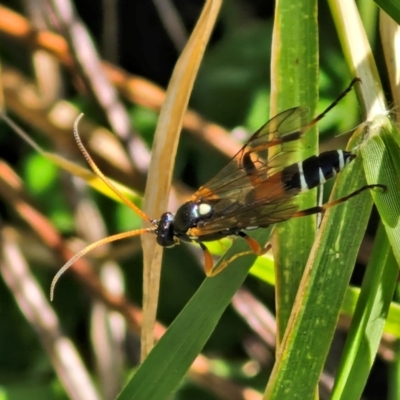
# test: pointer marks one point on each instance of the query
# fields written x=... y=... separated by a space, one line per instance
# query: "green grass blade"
x=393 y=322
x=392 y=325
x=369 y=320
x=166 y=365
x=381 y=157
x=394 y=375
x=263 y=269
x=313 y=320
x=294 y=78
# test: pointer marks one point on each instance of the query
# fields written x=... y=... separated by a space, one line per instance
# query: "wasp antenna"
x=97 y=171
x=90 y=247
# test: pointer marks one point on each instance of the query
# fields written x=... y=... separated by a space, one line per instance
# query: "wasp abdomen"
x=315 y=170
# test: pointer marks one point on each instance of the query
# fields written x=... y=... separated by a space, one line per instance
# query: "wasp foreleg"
x=255 y=249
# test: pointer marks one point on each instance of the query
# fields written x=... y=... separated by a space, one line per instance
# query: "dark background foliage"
x=232 y=89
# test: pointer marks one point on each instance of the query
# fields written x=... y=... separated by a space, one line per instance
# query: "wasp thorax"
x=189 y=214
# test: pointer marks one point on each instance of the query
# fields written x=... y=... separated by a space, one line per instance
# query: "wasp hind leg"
x=254 y=246
x=324 y=207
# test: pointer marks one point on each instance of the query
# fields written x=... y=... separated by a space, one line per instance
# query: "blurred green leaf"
x=40 y=173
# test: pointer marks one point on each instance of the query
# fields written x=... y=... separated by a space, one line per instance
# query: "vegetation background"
x=231 y=94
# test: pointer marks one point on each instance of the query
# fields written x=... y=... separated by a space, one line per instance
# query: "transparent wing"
x=249 y=190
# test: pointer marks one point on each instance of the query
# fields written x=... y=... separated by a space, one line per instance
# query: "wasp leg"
x=329 y=108
x=247 y=163
x=255 y=249
x=208 y=260
x=254 y=245
x=321 y=209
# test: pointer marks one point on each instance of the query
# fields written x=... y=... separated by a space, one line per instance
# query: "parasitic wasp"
x=254 y=190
